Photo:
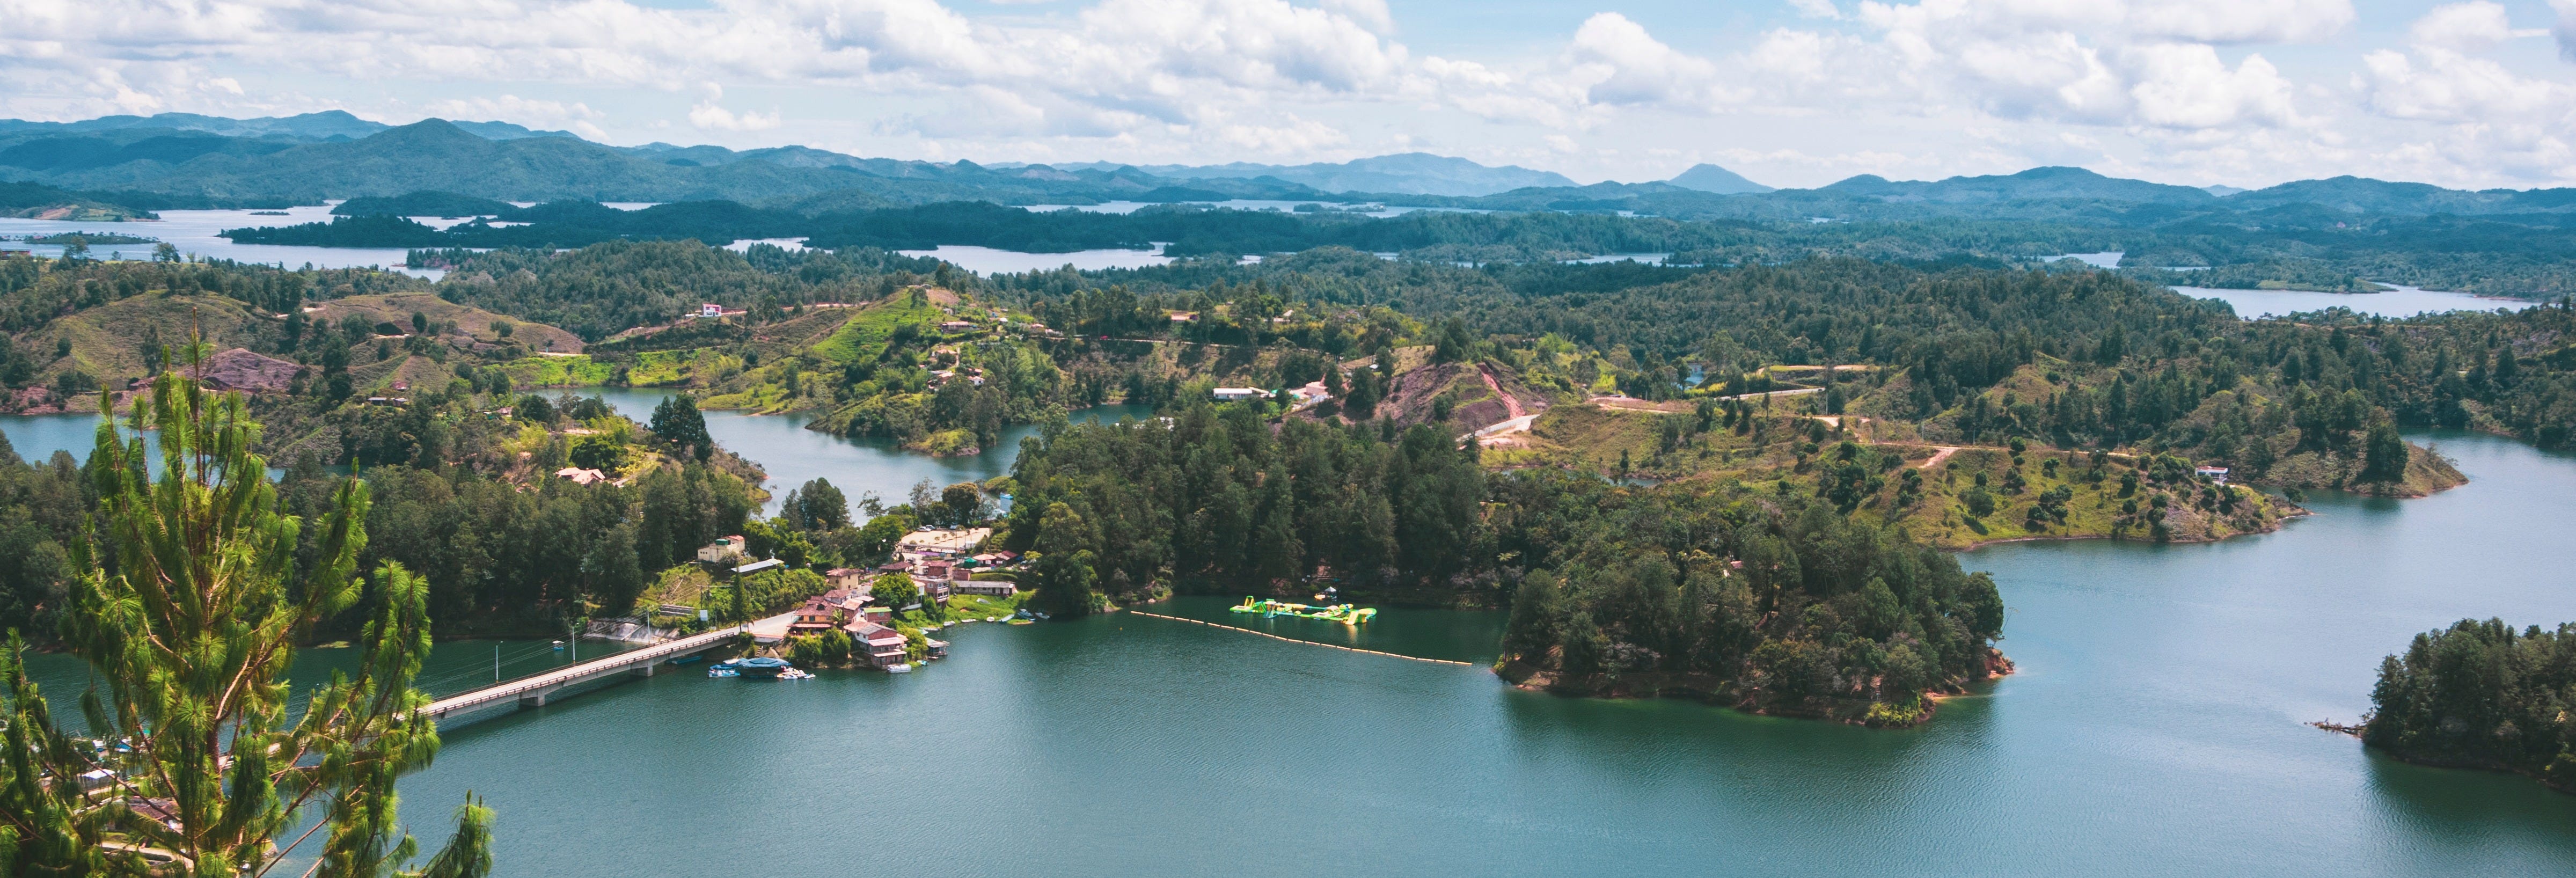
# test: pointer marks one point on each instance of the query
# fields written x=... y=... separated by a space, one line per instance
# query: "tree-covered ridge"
x=2481 y=695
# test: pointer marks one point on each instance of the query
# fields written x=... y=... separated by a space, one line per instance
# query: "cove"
x=792 y=455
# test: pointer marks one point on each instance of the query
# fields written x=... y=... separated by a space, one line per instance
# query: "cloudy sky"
x=1788 y=92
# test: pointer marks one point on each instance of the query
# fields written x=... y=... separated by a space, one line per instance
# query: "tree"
x=678 y=421
x=893 y=590
x=534 y=409
x=1064 y=577
x=817 y=506
x=599 y=451
x=962 y=503
x=2383 y=454
x=189 y=608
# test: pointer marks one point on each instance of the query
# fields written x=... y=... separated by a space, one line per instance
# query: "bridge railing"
x=557 y=676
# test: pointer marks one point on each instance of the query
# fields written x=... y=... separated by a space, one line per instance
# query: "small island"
x=93 y=239
x=2480 y=695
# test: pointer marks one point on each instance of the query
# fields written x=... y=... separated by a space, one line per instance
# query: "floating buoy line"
x=1307 y=642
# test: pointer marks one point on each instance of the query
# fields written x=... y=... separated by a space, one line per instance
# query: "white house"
x=1234 y=394
x=710 y=311
x=723 y=550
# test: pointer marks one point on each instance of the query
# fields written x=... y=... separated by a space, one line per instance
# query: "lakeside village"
x=873 y=617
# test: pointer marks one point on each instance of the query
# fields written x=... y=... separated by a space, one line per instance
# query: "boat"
x=899 y=669
x=762 y=667
x=722 y=671
x=795 y=674
x=687 y=659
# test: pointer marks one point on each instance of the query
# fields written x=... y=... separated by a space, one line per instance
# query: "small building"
x=1238 y=394
x=579 y=476
x=878 y=613
x=710 y=311
x=721 y=551
x=757 y=566
x=2213 y=473
x=933 y=589
x=817 y=616
x=937 y=568
x=957 y=326
x=988 y=587
x=847 y=578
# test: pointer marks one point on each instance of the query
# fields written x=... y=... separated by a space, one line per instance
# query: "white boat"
x=899 y=669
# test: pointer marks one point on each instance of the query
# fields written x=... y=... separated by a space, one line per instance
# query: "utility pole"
x=496 y=661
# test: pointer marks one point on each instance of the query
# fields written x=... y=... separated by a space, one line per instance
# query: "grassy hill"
x=110 y=342
x=483 y=327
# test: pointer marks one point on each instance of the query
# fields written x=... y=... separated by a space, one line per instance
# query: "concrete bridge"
x=534 y=690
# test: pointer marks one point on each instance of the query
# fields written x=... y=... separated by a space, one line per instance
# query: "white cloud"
x=715 y=118
x=1816 y=8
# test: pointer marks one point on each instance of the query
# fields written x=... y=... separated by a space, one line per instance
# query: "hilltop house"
x=722 y=551
x=1238 y=394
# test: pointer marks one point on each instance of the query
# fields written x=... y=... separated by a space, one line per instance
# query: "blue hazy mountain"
x=1411 y=173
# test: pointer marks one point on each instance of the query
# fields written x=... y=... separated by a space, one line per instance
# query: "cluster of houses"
x=941 y=564
x=870 y=635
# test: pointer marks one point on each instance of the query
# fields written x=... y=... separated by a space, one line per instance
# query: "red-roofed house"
x=882 y=645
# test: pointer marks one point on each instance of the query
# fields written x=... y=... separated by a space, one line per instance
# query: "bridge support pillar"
x=533 y=699
x=643 y=670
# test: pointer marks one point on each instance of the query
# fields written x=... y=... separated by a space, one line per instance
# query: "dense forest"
x=2481 y=695
x=1216 y=501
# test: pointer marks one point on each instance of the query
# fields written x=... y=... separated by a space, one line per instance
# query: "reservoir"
x=2396 y=302
x=2156 y=728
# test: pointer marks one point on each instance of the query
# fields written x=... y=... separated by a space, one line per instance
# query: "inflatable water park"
x=1346 y=614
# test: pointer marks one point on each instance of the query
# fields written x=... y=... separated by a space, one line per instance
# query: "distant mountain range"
x=174 y=160
x=329 y=125
x=1411 y=173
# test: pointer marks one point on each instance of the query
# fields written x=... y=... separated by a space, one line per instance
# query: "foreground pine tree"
x=189 y=606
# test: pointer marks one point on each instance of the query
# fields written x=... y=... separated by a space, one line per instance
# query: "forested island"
x=2481 y=695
